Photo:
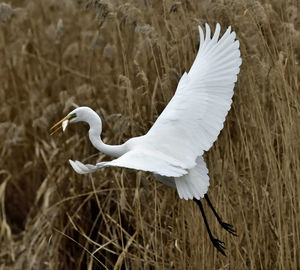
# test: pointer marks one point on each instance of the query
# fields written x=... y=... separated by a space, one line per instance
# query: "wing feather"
x=195 y=183
x=136 y=159
x=194 y=117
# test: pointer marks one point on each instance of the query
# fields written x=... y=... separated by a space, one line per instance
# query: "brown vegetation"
x=125 y=61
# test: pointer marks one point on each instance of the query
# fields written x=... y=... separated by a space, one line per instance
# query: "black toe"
x=229 y=228
x=219 y=245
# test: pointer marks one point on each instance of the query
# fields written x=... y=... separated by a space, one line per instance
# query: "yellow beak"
x=58 y=124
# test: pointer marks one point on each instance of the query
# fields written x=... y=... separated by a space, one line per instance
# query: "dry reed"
x=125 y=61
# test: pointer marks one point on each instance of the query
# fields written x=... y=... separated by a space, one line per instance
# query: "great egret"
x=173 y=147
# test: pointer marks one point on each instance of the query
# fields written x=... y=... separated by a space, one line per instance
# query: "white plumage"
x=173 y=148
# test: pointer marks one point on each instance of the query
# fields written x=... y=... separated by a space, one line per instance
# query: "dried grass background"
x=124 y=59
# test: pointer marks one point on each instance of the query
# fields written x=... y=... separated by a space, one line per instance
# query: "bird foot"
x=229 y=228
x=219 y=245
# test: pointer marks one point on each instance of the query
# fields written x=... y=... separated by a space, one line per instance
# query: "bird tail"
x=194 y=184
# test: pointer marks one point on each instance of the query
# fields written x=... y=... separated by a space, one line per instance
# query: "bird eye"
x=73 y=115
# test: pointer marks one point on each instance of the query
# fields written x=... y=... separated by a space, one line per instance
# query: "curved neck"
x=111 y=150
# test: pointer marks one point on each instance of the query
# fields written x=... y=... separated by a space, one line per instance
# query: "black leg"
x=216 y=242
x=226 y=226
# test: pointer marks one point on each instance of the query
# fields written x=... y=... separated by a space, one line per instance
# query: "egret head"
x=80 y=114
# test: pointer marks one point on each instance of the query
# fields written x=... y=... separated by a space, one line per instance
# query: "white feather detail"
x=194 y=117
x=138 y=160
x=195 y=183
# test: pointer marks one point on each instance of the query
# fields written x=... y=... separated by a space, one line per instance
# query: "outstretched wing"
x=136 y=159
x=194 y=117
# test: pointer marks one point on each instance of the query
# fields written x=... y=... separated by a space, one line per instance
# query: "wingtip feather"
x=217 y=33
x=75 y=166
x=201 y=35
x=207 y=32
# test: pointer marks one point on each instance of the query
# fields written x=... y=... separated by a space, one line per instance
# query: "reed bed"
x=124 y=59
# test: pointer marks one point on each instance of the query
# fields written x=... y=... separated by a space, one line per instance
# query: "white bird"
x=191 y=122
